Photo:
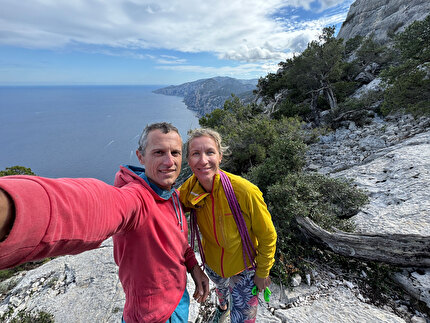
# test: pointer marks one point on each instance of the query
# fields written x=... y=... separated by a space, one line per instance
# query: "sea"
x=81 y=131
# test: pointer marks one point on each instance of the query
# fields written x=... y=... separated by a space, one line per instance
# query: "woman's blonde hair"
x=207 y=132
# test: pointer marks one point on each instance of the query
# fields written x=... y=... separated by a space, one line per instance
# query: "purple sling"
x=247 y=246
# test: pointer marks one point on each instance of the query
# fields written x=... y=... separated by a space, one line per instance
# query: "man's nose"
x=169 y=159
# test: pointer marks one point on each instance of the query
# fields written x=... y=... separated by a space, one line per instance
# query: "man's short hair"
x=164 y=127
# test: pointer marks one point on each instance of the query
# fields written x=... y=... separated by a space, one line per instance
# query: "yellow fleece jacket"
x=221 y=240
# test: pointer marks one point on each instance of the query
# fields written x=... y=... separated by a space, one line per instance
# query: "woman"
x=222 y=243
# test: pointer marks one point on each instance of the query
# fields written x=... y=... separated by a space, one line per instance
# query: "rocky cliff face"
x=382 y=17
x=203 y=96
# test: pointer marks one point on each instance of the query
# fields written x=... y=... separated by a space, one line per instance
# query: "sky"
x=163 y=42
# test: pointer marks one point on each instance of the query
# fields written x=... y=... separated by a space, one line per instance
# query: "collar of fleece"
x=140 y=171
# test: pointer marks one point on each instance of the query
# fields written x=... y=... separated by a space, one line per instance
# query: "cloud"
x=164 y=59
x=242 y=30
x=244 y=71
x=325 y=4
x=246 y=54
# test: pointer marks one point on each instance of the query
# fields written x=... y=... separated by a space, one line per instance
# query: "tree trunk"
x=314 y=108
x=405 y=250
x=331 y=98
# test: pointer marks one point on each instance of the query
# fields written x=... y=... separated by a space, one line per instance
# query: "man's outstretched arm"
x=45 y=217
x=7 y=215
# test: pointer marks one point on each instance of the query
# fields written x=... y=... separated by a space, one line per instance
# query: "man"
x=42 y=217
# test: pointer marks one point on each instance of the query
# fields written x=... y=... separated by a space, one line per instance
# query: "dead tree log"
x=405 y=250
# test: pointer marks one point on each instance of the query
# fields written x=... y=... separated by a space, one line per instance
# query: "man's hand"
x=262 y=283
x=202 y=284
x=7 y=215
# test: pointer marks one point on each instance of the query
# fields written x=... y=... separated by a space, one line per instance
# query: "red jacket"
x=68 y=216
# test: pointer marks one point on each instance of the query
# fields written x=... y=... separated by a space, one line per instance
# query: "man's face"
x=162 y=158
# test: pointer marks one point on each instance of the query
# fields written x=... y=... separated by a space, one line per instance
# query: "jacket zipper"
x=215 y=234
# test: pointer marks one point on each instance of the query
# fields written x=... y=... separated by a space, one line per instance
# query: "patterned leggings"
x=244 y=305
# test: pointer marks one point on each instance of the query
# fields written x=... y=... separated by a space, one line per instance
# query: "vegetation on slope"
x=409 y=77
x=326 y=74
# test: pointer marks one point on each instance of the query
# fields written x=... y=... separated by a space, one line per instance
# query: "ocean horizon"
x=82 y=130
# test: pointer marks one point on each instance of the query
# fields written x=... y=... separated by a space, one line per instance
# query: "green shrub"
x=214 y=119
x=249 y=141
x=371 y=52
x=328 y=202
x=344 y=89
x=16 y=170
x=409 y=93
x=285 y=155
x=408 y=82
x=414 y=42
x=289 y=109
x=271 y=84
x=352 y=44
x=7 y=273
x=39 y=317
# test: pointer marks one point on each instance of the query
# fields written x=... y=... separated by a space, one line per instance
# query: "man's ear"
x=140 y=157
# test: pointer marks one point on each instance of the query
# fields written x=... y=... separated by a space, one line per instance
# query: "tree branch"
x=405 y=250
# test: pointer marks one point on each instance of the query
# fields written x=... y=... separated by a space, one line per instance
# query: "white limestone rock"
x=381 y=17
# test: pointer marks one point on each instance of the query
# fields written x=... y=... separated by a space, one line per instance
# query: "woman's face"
x=204 y=159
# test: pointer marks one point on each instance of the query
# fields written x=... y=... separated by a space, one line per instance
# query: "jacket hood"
x=135 y=174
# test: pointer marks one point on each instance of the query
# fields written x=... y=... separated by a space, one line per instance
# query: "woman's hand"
x=262 y=283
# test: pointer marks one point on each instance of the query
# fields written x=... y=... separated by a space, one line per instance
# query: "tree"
x=371 y=52
x=245 y=130
x=316 y=69
x=285 y=155
x=16 y=170
x=414 y=42
x=408 y=82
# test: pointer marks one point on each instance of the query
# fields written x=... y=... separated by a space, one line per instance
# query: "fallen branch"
x=405 y=250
